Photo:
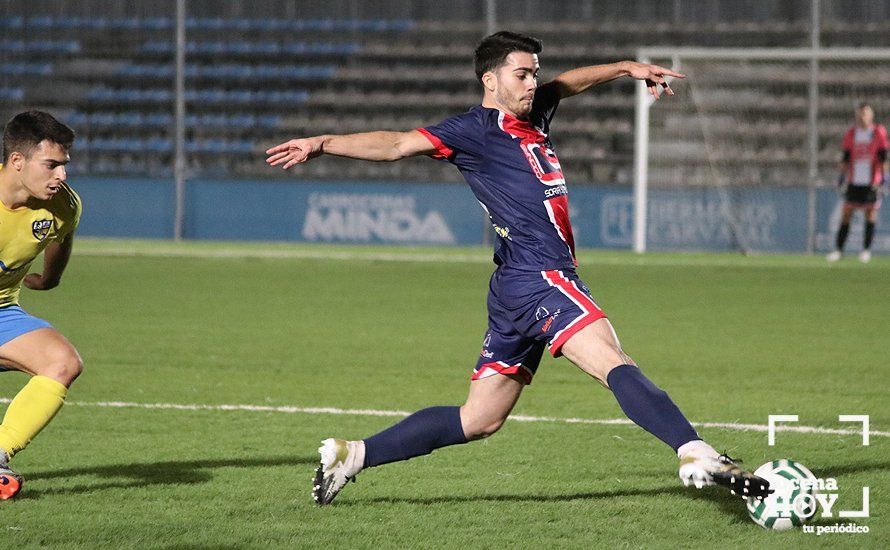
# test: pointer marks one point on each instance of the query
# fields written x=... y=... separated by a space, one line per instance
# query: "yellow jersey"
x=26 y=231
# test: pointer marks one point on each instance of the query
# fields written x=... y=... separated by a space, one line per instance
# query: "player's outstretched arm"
x=383 y=146
x=55 y=259
x=577 y=80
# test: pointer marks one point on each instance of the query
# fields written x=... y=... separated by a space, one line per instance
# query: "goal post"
x=751 y=137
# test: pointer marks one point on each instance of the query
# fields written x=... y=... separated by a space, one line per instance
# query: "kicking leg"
x=595 y=349
x=487 y=407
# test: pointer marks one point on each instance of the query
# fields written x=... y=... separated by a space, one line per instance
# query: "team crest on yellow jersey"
x=41 y=228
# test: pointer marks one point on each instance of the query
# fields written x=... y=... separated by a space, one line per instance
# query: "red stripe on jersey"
x=519 y=128
x=444 y=152
x=590 y=311
x=866 y=152
x=558 y=210
x=500 y=367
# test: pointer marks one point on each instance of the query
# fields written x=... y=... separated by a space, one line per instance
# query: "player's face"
x=865 y=116
x=516 y=81
x=43 y=171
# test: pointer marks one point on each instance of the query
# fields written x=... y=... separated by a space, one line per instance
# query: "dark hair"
x=26 y=130
x=863 y=105
x=493 y=50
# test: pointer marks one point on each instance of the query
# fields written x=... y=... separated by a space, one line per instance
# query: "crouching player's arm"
x=380 y=146
x=55 y=259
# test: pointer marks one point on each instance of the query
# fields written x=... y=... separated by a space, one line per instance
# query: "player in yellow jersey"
x=38 y=213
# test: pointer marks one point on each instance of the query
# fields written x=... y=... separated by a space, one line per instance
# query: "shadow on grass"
x=173 y=472
x=732 y=506
x=592 y=495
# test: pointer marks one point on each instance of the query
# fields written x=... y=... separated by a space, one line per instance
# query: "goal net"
x=746 y=154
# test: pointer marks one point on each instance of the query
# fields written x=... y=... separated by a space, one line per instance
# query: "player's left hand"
x=36 y=281
x=654 y=76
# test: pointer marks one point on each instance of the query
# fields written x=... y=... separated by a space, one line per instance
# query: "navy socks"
x=420 y=434
x=842 y=232
x=435 y=427
x=649 y=406
x=869 y=234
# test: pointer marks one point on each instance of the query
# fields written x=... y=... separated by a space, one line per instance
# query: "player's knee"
x=65 y=368
x=482 y=428
x=614 y=357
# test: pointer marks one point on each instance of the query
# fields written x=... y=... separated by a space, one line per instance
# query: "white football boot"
x=865 y=256
x=701 y=465
x=834 y=256
x=340 y=461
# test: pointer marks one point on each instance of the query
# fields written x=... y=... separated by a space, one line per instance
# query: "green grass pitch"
x=732 y=339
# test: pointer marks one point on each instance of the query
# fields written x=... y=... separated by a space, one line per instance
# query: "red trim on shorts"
x=590 y=311
x=444 y=152
x=500 y=367
x=583 y=320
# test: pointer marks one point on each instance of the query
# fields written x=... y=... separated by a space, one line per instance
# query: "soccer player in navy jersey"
x=536 y=299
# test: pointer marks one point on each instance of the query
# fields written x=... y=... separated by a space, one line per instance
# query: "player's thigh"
x=489 y=404
x=871 y=213
x=44 y=351
x=595 y=349
x=847 y=212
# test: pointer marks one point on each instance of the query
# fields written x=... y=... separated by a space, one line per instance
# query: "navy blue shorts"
x=528 y=311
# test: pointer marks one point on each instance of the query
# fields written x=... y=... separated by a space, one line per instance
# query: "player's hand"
x=36 y=281
x=841 y=185
x=295 y=151
x=654 y=76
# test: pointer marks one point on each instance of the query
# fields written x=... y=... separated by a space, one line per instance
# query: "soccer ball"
x=793 y=501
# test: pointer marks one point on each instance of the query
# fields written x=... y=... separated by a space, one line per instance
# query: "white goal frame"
x=643 y=101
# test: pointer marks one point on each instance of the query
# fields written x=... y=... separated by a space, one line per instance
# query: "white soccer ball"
x=793 y=501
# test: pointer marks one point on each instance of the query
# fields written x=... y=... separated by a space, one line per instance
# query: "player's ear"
x=489 y=81
x=16 y=160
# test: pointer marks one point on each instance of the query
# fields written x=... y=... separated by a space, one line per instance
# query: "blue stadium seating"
x=40 y=46
x=241 y=47
x=102 y=94
x=26 y=68
x=12 y=93
x=230 y=71
x=207 y=24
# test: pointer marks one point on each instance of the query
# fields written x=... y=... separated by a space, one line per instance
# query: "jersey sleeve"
x=847 y=143
x=72 y=217
x=882 y=141
x=459 y=133
x=545 y=103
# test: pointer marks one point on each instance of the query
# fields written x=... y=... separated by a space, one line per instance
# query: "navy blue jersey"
x=513 y=170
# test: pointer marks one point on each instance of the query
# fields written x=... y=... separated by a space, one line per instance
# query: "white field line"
x=735 y=426
x=239 y=253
